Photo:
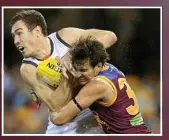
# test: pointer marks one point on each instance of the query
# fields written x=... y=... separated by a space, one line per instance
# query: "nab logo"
x=56 y=67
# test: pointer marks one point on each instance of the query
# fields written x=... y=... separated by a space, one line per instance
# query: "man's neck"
x=43 y=48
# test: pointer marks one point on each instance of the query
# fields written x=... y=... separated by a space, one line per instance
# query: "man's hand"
x=36 y=99
x=52 y=116
x=67 y=66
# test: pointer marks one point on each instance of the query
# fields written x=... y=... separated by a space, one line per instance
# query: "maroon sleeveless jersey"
x=121 y=115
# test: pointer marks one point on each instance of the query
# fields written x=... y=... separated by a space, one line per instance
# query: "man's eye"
x=83 y=70
x=19 y=33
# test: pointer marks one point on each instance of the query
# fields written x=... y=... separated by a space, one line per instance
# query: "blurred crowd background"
x=136 y=53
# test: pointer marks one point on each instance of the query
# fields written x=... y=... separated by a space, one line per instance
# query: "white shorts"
x=83 y=123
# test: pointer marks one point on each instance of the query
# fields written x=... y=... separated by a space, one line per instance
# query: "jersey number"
x=132 y=109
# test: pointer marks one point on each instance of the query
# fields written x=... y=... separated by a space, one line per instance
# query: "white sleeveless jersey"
x=84 y=122
x=58 y=48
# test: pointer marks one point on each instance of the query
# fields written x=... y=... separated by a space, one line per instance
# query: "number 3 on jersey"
x=132 y=109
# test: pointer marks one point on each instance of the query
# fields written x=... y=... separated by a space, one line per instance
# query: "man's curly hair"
x=89 y=48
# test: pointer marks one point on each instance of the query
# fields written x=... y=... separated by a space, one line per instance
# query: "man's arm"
x=71 y=35
x=91 y=92
x=54 y=98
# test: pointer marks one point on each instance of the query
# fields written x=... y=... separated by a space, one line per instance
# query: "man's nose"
x=79 y=74
x=16 y=40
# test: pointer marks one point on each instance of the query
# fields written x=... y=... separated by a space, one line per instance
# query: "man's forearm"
x=107 y=38
x=65 y=114
x=45 y=95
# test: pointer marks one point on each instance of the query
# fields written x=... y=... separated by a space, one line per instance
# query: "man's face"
x=85 y=71
x=24 y=39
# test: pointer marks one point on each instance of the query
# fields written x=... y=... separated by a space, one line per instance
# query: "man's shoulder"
x=28 y=74
x=96 y=85
x=27 y=69
x=66 y=30
x=70 y=34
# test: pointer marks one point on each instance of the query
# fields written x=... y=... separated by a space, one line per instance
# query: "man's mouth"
x=82 y=79
x=21 y=49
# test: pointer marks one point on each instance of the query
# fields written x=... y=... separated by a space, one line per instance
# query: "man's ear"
x=98 y=67
x=37 y=31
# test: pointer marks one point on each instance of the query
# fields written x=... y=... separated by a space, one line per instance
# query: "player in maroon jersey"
x=105 y=91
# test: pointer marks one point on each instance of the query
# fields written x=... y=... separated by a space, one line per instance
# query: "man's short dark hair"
x=89 y=48
x=31 y=18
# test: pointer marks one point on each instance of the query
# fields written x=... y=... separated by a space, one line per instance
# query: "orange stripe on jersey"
x=114 y=88
x=46 y=57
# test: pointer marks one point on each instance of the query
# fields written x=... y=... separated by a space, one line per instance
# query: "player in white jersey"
x=29 y=30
